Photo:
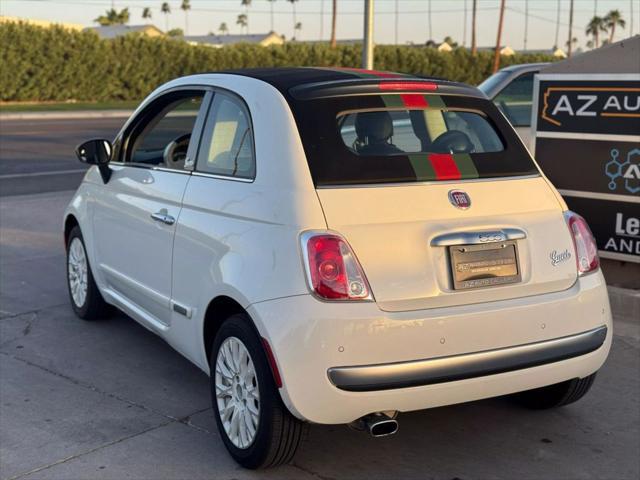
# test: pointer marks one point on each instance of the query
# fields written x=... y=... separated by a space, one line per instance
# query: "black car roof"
x=314 y=82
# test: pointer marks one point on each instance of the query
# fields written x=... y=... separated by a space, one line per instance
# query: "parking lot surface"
x=37 y=155
x=111 y=400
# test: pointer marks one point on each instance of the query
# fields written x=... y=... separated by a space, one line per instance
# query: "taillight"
x=584 y=244
x=333 y=270
x=408 y=86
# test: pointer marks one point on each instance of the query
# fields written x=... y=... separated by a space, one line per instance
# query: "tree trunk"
x=334 y=16
x=474 y=47
x=570 y=44
x=613 y=31
x=496 y=54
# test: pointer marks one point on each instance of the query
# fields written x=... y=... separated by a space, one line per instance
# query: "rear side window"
x=394 y=138
x=227 y=143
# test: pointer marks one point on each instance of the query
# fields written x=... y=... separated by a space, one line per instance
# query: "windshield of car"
x=391 y=138
x=489 y=85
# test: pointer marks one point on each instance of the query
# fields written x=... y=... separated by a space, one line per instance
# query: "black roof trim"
x=321 y=82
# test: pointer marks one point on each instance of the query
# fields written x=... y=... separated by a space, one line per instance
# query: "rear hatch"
x=436 y=195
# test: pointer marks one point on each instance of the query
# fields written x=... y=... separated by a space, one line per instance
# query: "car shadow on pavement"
x=126 y=393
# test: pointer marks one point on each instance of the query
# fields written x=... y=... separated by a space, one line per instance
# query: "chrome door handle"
x=164 y=217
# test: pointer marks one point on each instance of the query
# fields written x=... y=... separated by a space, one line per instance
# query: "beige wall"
x=40 y=23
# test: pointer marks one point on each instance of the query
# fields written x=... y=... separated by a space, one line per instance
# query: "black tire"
x=93 y=307
x=556 y=395
x=278 y=433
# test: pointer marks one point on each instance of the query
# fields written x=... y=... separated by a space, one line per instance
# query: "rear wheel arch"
x=218 y=310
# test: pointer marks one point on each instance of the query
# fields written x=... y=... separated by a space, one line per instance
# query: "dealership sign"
x=587 y=141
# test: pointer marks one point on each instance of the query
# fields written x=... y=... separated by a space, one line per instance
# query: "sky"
x=411 y=25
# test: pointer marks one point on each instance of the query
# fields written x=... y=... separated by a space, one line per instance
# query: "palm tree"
x=243 y=21
x=496 y=54
x=474 y=47
x=570 y=44
x=246 y=4
x=297 y=28
x=594 y=27
x=429 y=18
x=223 y=29
x=464 y=34
x=526 y=22
x=612 y=20
x=166 y=9
x=113 y=17
x=570 y=40
x=271 y=13
x=185 y=6
x=334 y=16
x=146 y=14
x=295 y=21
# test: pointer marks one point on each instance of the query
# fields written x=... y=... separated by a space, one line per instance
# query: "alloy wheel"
x=237 y=393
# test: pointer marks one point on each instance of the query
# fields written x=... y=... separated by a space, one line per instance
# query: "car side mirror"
x=96 y=152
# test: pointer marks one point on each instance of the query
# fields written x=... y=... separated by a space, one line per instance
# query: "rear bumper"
x=461 y=367
x=340 y=361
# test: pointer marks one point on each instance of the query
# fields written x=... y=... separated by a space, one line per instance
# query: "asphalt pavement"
x=37 y=154
x=110 y=400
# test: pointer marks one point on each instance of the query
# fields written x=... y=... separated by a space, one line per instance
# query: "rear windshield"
x=407 y=138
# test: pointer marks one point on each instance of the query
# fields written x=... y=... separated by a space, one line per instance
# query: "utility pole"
x=496 y=54
x=367 y=44
x=557 y=24
x=396 y=29
x=570 y=42
x=321 y=19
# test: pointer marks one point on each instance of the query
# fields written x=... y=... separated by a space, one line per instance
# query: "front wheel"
x=556 y=395
x=256 y=427
x=86 y=299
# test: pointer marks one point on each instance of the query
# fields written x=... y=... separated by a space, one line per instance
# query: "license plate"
x=486 y=265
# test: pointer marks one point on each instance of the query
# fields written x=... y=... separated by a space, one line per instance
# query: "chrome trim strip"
x=473 y=238
x=459 y=367
x=605 y=137
x=222 y=177
x=614 y=197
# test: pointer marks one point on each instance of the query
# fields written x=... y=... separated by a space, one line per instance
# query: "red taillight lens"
x=408 y=86
x=585 y=245
x=333 y=270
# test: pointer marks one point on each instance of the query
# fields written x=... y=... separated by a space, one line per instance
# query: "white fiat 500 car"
x=336 y=246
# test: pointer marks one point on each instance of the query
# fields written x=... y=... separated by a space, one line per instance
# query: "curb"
x=625 y=303
x=65 y=115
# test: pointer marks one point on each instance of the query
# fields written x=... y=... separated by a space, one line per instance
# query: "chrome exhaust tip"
x=377 y=424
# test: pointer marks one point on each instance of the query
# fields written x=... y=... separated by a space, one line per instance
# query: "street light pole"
x=367 y=46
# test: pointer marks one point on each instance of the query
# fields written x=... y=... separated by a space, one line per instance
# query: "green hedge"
x=54 y=64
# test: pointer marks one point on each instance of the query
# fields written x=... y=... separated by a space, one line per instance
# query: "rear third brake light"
x=333 y=270
x=584 y=243
x=408 y=86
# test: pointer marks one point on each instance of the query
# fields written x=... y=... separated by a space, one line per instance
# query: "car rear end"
x=448 y=271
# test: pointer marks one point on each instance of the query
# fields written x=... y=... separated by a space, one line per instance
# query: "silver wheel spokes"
x=237 y=393
x=78 y=272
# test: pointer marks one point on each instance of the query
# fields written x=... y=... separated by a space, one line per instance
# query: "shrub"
x=44 y=64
